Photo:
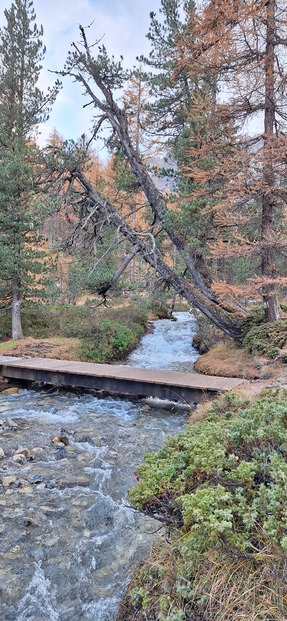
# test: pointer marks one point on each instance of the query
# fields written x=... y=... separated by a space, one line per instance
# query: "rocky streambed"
x=69 y=538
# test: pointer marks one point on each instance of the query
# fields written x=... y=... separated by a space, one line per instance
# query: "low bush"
x=5 y=326
x=262 y=337
x=109 y=340
x=266 y=338
x=221 y=486
x=106 y=334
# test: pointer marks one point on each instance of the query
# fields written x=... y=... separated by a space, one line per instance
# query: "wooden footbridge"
x=174 y=386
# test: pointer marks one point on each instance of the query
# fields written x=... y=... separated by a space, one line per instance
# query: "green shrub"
x=5 y=326
x=255 y=317
x=222 y=483
x=71 y=321
x=266 y=338
x=262 y=337
x=110 y=340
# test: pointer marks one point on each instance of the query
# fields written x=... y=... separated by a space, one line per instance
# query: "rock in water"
x=10 y=391
x=74 y=482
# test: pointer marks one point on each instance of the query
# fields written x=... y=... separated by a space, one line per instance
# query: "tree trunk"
x=271 y=306
x=227 y=322
x=17 y=332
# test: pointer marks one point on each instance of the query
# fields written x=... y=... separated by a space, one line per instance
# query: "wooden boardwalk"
x=175 y=386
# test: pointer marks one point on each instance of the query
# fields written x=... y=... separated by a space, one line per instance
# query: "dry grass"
x=239 y=590
x=221 y=587
x=202 y=409
x=229 y=360
x=56 y=347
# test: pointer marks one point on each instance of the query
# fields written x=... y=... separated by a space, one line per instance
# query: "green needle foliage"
x=22 y=107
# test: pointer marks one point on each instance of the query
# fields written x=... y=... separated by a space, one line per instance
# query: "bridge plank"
x=172 y=379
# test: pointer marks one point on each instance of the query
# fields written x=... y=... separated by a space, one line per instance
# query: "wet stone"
x=11 y=423
x=36 y=478
x=19 y=459
x=26 y=490
x=9 y=480
x=37 y=449
x=74 y=482
x=41 y=486
x=11 y=391
x=50 y=484
x=64 y=438
x=28 y=521
x=61 y=454
x=23 y=450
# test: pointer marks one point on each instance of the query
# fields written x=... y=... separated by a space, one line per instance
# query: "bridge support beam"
x=123 y=380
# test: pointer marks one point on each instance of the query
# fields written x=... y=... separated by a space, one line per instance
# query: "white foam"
x=37 y=603
x=104 y=609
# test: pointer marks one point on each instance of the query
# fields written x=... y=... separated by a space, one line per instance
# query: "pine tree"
x=22 y=106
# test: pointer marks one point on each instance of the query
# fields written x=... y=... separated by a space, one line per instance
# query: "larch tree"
x=241 y=164
x=102 y=77
x=22 y=106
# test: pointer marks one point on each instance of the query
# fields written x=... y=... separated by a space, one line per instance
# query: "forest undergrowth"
x=220 y=488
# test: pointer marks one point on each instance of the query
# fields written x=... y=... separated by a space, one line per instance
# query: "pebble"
x=41 y=486
x=49 y=509
x=2 y=454
x=76 y=481
x=23 y=450
x=11 y=423
x=26 y=490
x=61 y=453
x=145 y=408
x=87 y=533
x=82 y=437
x=19 y=459
x=9 y=480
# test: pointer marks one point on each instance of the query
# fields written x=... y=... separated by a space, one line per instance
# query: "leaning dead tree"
x=100 y=77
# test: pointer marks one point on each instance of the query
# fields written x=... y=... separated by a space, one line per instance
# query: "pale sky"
x=123 y=25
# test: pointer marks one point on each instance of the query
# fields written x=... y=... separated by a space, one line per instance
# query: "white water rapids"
x=68 y=537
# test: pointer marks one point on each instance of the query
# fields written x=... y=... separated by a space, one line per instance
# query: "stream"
x=68 y=536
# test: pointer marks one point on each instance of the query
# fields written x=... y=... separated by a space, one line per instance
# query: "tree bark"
x=17 y=332
x=271 y=306
x=118 y=120
x=227 y=322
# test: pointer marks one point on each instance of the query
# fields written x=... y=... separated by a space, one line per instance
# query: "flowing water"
x=68 y=536
x=168 y=346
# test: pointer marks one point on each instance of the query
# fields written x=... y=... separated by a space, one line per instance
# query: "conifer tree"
x=244 y=43
x=22 y=106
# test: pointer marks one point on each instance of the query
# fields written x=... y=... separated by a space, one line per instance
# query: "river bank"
x=81 y=333
x=69 y=536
